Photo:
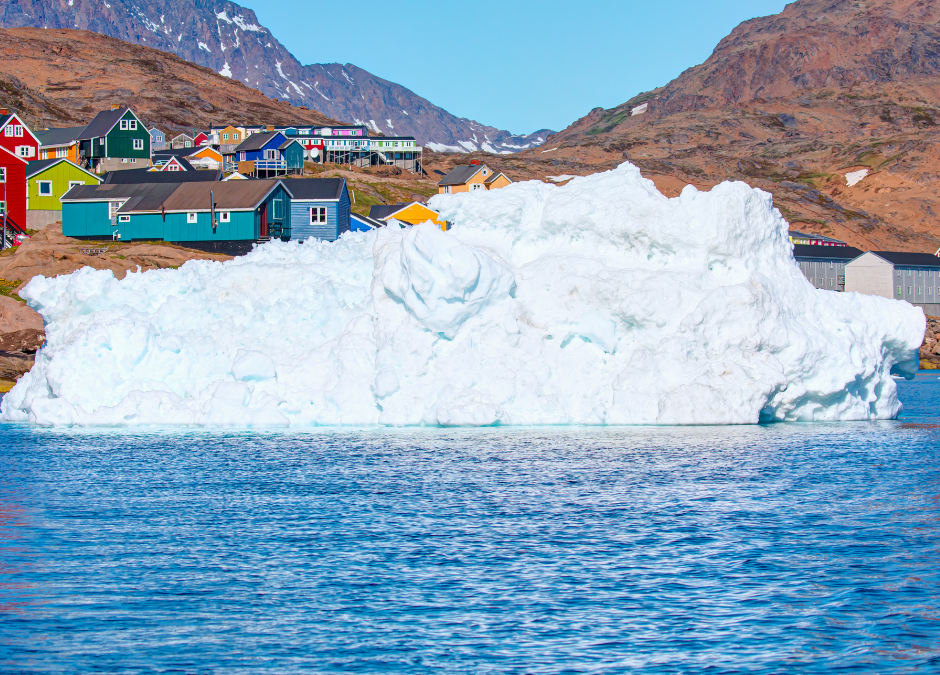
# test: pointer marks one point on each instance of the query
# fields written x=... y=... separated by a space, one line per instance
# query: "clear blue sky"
x=519 y=65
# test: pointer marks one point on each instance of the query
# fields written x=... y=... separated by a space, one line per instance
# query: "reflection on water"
x=763 y=549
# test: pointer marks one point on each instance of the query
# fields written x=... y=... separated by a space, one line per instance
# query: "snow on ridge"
x=486 y=147
x=226 y=71
x=441 y=147
x=470 y=147
x=348 y=78
x=389 y=123
x=316 y=87
x=239 y=21
x=204 y=47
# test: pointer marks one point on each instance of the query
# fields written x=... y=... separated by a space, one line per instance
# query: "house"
x=219 y=217
x=46 y=181
x=235 y=176
x=320 y=208
x=229 y=137
x=115 y=140
x=414 y=213
x=293 y=153
x=157 y=139
x=824 y=265
x=201 y=139
x=813 y=239
x=172 y=163
x=205 y=157
x=259 y=155
x=12 y=193
x=358 y=223
x=182 y=141
x=141 y=176
x=914 y=277
x=400 y=151
x=16 y=137
x=470 y=178
x=59 y=143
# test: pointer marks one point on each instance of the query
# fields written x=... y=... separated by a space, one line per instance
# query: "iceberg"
x=597 y=302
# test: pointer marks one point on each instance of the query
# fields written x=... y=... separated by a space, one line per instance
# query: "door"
x=264 y=220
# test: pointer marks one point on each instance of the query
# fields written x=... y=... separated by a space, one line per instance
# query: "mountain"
x=228 y=38
x=792 y=103
x=63 y=77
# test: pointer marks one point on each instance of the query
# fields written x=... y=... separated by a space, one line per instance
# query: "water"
x=799 y=548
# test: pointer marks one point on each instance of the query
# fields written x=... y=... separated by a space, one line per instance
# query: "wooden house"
x=182 y=141
x=320 y=208
x=46 y=181
x=261 y=155
x=205 y=157
x=16 y=137
x=157 y=139
x=359 y=223
x=115 y=140
x=201 y=139
x=212 y=216
x=13 y=191
x=471 y=178
x=414 y=213
x=59 y=143
x=171 y=163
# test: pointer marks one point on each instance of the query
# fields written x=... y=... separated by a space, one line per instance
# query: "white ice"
x=853 y=178
x=597 y=302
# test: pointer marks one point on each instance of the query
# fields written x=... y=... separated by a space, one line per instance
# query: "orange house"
x=414 y=213
x=59 y=143
x=470 y=178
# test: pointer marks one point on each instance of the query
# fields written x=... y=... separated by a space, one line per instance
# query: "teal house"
x=222 y=217
x=116 y=139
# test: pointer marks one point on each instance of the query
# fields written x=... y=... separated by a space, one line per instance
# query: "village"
x=227 y=188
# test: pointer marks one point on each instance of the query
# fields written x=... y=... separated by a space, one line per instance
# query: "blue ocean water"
x=781 y=548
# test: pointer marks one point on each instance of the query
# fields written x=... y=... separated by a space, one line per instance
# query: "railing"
x=270 y=165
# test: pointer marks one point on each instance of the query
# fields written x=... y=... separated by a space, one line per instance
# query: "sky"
x=519 y=65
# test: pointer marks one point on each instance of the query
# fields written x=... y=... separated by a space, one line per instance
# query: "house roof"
x=103 y=123
x=325 y=189
x=179 y=160
x=63 y=136
x=461 y=174
x=819 y=237
x=844 y=253
x=382 y=211
x=39 y=165
x=909 y=259
x=371 y=222
x=175 y=152
x=234 y=195
x=258 y=141
x=146 y=176
x=288 y=142
x=183 y=136
x=139 y=197
x=497 y=175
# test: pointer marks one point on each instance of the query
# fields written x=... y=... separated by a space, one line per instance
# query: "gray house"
x=914 y=277
x=824 y=265
x=319 y=208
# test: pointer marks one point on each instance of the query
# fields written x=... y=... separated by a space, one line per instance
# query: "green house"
x=47 y=180
x=116 y=139
x=225 y=217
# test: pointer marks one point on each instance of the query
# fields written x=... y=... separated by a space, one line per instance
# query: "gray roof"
x=803 y=235
x=39 y=165
x=384 y=210
x=145 y=176
x=843 y=253
x=909 y=259
x=102 y=124
x=460 y=174
x=183 y=163
x=371 y=222
x=177 y=152
x=176 y=196
x=148 y=197
x=59 y=136
x=325 y=189
x=258 y=141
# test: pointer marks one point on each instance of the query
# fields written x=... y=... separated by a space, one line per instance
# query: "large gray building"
x=824 y=266
x=914 y=277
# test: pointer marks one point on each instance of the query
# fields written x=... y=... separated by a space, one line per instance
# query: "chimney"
x=474 y=162
x=116 y=106
x=4 y=111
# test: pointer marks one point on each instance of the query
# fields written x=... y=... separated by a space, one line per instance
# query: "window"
x=486 y=172
x=44 y=154
x=18 y=131
x=133 y=161
x=899 y=290
x=191 y=218
x=25 y=150
x=8 y=131
x=123 y=125
x=224 y=137
x=477 y=186
x=44 y=188
x=243 y=155
x=61 y=152
x=124 y=160
x=447 y=189
x=132 y=125
x=908 y=290
x=278 y=209
x=138 y=144
x=270 y=154
x=225 y=217
x=234 y=137
x=124 y=219
x=73 y=183
x=173 y=167
x=317 y=215
x=188 y=144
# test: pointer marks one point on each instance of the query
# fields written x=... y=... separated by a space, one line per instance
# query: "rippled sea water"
x=782 y=548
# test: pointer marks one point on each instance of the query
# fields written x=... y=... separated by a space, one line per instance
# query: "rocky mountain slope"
x=64 y=77
x=228 y=38
x=792 y=103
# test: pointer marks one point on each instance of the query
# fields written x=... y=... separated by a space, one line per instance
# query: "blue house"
x=320 y=208
x=359 y=223
x=260 y=155
x=242 y=213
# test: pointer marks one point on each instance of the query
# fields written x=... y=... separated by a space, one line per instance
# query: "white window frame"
x=477 y=186
x=18 y=131
x=192 y=218
x=277 y=208
x=123 y=125
x=138 y=144
x=124 y=219
x=225 y=216
x=73 y=183
x=317 y=215
x=39 y=186
x=24 y=150
x=132 y=125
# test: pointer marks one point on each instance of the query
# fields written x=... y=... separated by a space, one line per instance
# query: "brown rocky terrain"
x=64 y=77
x=228 y=39
x=791 y=103
x=930 y=352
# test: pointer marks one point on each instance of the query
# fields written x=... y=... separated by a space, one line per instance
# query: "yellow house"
x=470 y=178
x=414 y=213
x=231 y=135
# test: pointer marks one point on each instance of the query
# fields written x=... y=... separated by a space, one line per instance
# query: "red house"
x=202 y=138
x=16 y=136
x=13 y=190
